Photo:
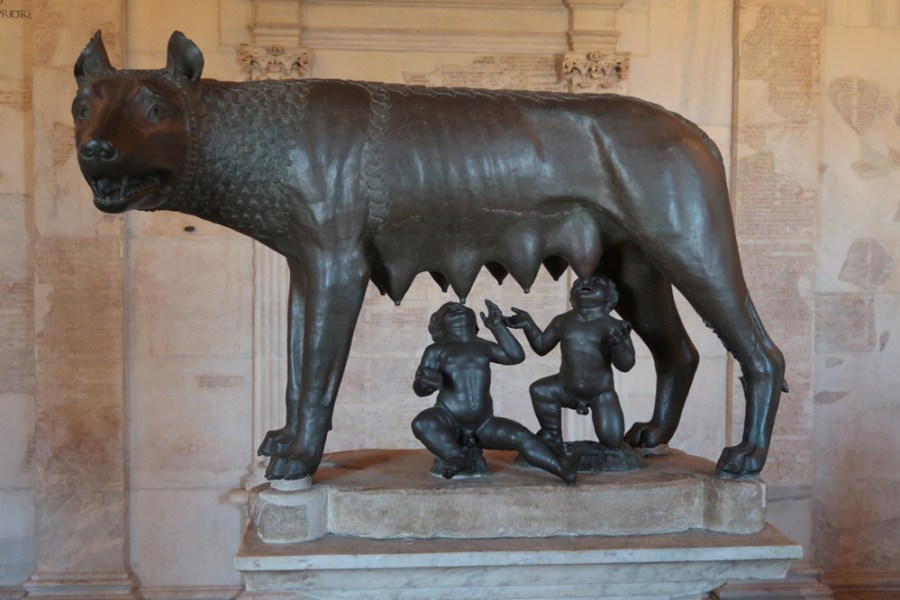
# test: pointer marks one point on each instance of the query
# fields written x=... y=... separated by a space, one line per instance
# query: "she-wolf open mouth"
x=120 y=192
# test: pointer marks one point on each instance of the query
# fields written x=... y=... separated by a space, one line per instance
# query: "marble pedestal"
x=378 y=526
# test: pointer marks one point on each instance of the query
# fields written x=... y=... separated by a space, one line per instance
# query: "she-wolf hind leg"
x=712 y=281
x=763 y=367
x=335 y=287
x=278 y=440
x=645 y=299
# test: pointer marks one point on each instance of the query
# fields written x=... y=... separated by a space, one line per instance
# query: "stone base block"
x=396 y=532
x=385 y=494
x=659 y=567
x=286 y=513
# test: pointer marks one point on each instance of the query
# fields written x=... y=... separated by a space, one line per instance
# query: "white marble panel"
x=17 y=335
x=13 y=43
x=14 y=239
x=80 y=532
x=190 y=297
x=633 y=23
x=15 y=123
x=689 y=65
x=856 y=410
x=189 y=421
x=16 y=431
x=702 y=428
x=61 y=31
x=149 y=23
x=857 y=524
x=16 y=536
x=182 y=538
x=790 y=509
x=860 y=146
x=703 y=424
x=63 y=203
x=234 y=16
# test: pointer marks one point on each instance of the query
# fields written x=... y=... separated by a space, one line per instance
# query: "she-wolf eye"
x=155 y=112
x=81 y=111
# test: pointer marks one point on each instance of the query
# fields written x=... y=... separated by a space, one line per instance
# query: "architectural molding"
x=592 y=24
x=878 y=585
x=879 y=14
x=404 y=40
x=481 y=4
x=89 y=586
x=491 y=26
x=191 y=593
x=803 y=582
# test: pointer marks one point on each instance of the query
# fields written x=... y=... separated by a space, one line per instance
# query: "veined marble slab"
x=681 y=565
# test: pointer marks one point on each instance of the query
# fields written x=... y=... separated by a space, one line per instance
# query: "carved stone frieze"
x=594 y=71
x=274 y=62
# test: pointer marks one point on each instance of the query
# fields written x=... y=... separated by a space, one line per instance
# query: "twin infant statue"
x=457 y=366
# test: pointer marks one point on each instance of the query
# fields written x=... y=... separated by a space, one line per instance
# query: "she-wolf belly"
x=461 y=184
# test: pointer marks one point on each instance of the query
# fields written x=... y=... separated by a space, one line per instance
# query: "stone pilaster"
x=592 y=63
x=270 y=295
x=274 y=53
x=80 y=482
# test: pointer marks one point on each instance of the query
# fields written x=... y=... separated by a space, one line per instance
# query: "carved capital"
x=274 y=62
x=594 y=71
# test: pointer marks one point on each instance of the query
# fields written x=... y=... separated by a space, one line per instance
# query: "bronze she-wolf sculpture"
x=356 y=182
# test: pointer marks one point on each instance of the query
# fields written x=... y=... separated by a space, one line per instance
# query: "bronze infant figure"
x=358 y=182
x=462 y=422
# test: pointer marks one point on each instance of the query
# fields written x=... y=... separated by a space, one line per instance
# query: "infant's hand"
x=430 y=379
x=520 y=320
x=494 y=316
x=621 y=333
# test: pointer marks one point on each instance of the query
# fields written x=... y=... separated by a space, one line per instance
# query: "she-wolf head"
x=132 y=128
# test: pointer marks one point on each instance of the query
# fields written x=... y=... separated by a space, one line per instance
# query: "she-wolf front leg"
x=334 y=288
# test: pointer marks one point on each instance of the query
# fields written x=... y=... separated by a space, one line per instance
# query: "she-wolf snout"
x=94 y=149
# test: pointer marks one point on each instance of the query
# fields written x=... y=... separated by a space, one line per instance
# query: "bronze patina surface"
x=366 y=182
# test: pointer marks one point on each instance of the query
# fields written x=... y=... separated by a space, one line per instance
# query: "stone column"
x=80 y=483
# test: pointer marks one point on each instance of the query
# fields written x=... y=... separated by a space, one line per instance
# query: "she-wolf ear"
x=185 y=61
x=93 y=60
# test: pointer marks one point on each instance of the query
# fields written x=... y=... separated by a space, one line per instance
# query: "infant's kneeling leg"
x=609 y=422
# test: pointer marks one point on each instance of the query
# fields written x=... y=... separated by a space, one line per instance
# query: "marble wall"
x=16 y=302
x=132 y=349
x=857 y=301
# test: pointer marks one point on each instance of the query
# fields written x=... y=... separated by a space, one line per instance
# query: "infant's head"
x=594 y=291
x=452 y=315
